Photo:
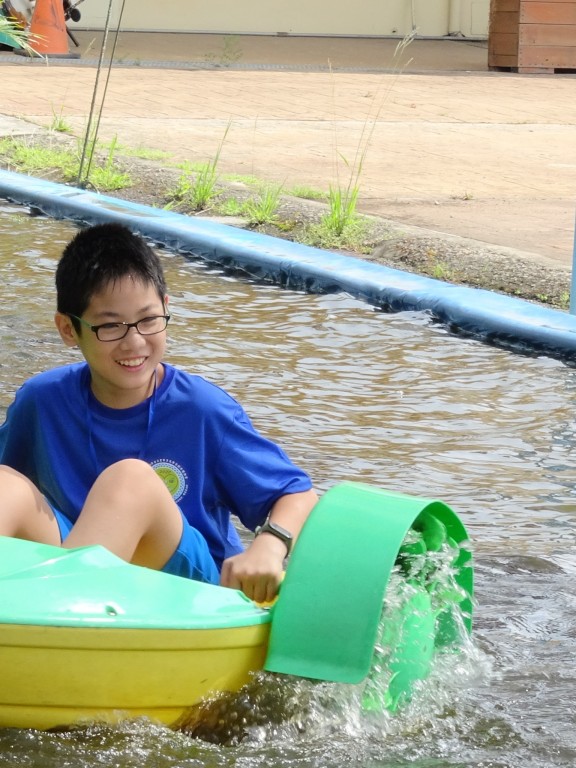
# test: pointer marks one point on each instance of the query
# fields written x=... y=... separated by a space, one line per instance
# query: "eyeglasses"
x=148 y=326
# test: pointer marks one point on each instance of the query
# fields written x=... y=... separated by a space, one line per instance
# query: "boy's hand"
x=258 y=571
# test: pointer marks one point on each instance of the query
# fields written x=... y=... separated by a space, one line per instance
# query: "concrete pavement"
x=460 y=150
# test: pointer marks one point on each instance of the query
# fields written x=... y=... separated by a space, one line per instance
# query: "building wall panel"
x=298 y=17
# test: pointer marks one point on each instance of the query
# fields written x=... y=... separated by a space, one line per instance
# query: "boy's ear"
x=66 y=329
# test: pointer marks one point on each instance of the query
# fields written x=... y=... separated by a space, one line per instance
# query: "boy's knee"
x=134 y=474
x=12 y=477
x=25 y=512
x=7 y=471
x=126 y=468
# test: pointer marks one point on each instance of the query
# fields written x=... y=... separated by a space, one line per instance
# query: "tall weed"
x=343 y=195
x=198 y=187
x=59 y=123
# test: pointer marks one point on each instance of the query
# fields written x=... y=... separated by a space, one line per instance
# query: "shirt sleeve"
x=253 y=472
x=16 y=434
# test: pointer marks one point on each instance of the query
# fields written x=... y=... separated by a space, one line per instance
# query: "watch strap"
x=276 y=530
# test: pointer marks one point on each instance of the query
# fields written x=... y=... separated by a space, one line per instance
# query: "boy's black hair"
x=98 y=256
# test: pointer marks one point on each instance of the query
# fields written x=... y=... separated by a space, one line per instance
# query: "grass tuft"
x=263 y=209
x=52 y=160
x=353 y=235
x=198 y=184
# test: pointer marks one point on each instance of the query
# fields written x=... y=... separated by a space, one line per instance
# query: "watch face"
x=279 y=531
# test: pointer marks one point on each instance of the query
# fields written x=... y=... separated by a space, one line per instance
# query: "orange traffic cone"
x=48 y=33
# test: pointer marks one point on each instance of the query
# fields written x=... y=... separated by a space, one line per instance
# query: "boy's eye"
x=109 y=326
x=149 y=322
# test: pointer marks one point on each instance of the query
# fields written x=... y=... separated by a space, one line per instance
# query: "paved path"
x=480 y=154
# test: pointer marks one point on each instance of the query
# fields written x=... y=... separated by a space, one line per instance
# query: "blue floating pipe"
x=573 y=282
x=494 y=318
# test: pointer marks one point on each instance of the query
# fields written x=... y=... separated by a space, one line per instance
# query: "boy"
x=125 y=451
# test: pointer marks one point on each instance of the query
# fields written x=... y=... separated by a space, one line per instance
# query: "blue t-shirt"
x=195 y=436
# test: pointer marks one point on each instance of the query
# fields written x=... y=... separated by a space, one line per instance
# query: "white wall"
x=432 y=18
x=474 y=17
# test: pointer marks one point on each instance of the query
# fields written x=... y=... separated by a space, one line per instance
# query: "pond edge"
x=493 y=318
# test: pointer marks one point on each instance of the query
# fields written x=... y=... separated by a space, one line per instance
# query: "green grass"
x=230 y=207
x=107 y=176
x=143 y=153
x=30 y=159
x=441 y=271
x=263 y=209
x=190 y=167
x=352 y=236
x=342 y=204
x=247 y=179
x=197 y=185
x=59 y=124
x=307 y=193
x=204 y=187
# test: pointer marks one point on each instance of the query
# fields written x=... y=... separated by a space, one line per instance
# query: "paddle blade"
x=325 y=621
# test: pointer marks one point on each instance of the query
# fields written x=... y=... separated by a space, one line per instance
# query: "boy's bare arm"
x=258 y=570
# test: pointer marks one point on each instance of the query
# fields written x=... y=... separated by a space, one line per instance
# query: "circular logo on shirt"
x=173 y=476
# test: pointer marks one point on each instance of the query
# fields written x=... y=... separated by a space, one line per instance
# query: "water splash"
x=424 y=601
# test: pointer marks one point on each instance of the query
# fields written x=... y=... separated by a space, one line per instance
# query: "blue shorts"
x=63 y=523
x=192 y=558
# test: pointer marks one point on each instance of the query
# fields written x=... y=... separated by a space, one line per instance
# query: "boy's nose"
x=133 y=337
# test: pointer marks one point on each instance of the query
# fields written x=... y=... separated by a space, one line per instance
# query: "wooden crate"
x=532 y=35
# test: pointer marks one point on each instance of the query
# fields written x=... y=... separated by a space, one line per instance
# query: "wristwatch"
x=278 y=531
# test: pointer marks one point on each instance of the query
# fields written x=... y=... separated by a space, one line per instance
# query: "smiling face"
x=123 y=370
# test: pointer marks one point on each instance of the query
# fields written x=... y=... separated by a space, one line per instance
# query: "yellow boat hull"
x=57 y=676
x=85 y=636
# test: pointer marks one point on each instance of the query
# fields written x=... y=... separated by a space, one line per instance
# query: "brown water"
x=397 y=402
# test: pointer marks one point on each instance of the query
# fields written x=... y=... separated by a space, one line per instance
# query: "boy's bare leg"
x=130 y=512
x=24 y=512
